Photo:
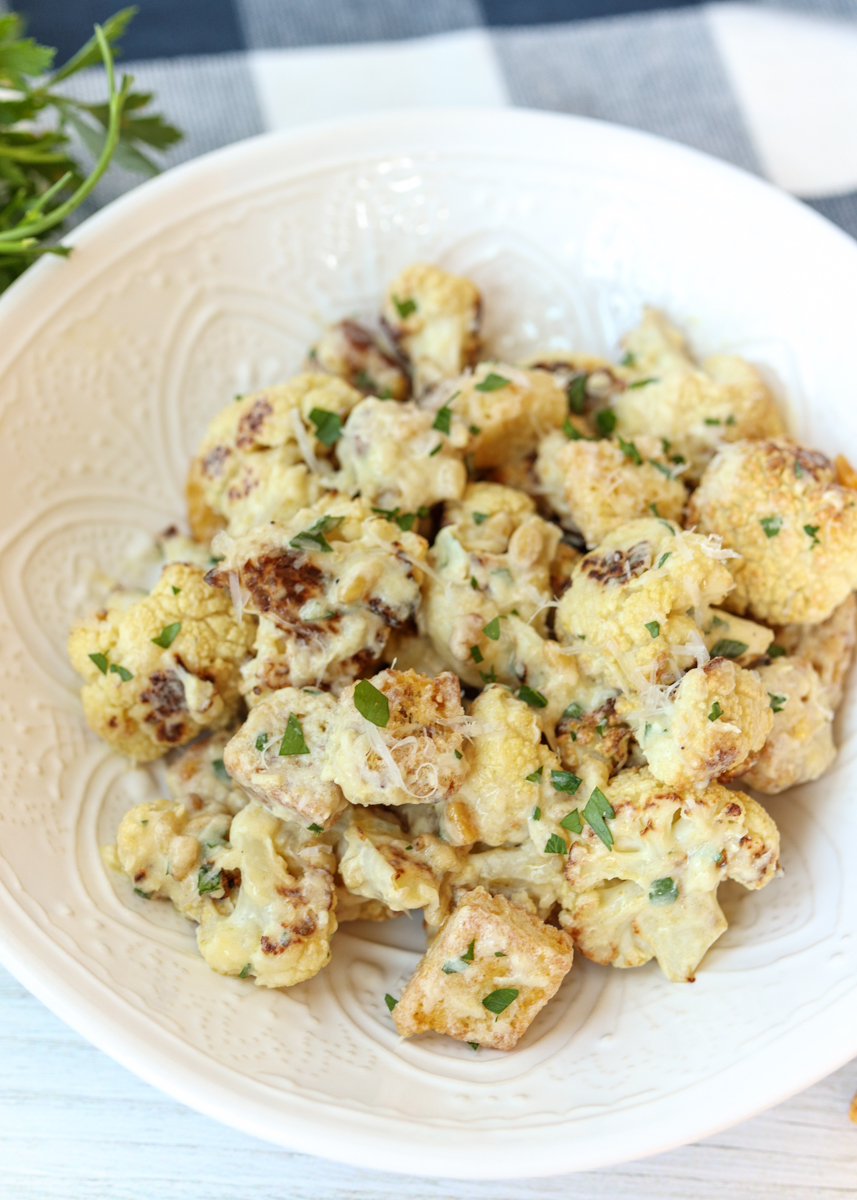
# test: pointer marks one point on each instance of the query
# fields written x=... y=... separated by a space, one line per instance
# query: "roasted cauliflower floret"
x=260 y=457
x=434 y=319
x=397 y=460
x=793 y=525
x=491 y=969
x=646 y=887
x=524 y=874
x=397 y=738
x=160 y=671
x=350 y=351
x=401 y=871
x=169 y=854
x=282 y=919
x=716 y=722
x=626 y=611
x=593 y=742
x=693 y=408
x=329 y=586
x=829 y=646
x=197 y=776
x=594 y=486
x=278 y=754
x=800 y=745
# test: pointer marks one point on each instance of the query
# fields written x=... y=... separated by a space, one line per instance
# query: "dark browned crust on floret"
x=577 y=735
x=279 y=585
x=618 y=566
x=251 y=422
x=165 y=694
x=783 y=456
x=360 y=348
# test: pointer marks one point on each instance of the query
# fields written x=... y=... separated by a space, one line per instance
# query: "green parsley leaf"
x=492 y=383
x=473 y=583
x=627 y=359
x=730 y=420
x=473 y=1045
x=778 y=703
x=144 y=895
x=717 y=623
x=442 y=419
x=605 y=421
x=500 y=954
x=175 y=589
x=630 y=451
x=100 y=661
x=363 y=381
x=537 y=814
x=220 y=771
x=712 y=420
x=638 y=383
x=123 y=672
x=498 y=1001
x=245 y=971
x=728 y=648
x=315 y=828
x=489 y=677
x=475 y=430
x=647 y=729
x=261 y=742
x=576 y=392
x=479 y=518
x=667 y=525
x=601 y=727
x=293 y=738
x=208 y=879
x=812 y=530
x=476 y=654
x=313 y=538
x=678 y=458
x=716 y=711
x=663 y=891
x=168 y=635
x=664 y=558
x=436 y=450
x=372 y=704
x=571 y=822
x=598 y=807
x=570 y=432
x=406 y=522
x=771 y=525
x=404 y=307
x=653 y=509
x=328 y=425
x=468 y=957
x=535 y=777
x=390 y=1002
x=556 y=845
x=565 y=781
x=662 y=467
x=458 y=754
x=653 y=627
x=574 y=711
x=531 y=696
x=798 y=470
x=774 y=651
x=454 y=966
x=492 y=629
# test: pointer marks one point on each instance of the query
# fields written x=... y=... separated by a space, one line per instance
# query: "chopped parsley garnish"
x=778 y=703
x=662 y=467
x=576 y=392
x=500 y=954
x=473 y=583
x=601 y=727
x=123 y=672
x=492 y=383
x=574 y=711
x=774 y=651
x=404 y=307
x=458 y=754
x=436 y=450
x=663 y=891
x=492 y=629
x=598 y=807
x=468 y=956
x=293 y=738
x=313 y=538
x=328 y=425
x=499 y=1000
x=571 y=822
x=678 y=458
x=798 y=470
x=716 y=711
x=168 y=635
x=245 y=971
x=812 y=530
x=476 y=654
x=442 y=419
x=100 y=661
x=371 y=704
x=144 y=895
x=653 y=509
x=537 y=814
x=475 y=430
x=535 y=777
x=363 y=381
x=712 y=420
x=315 y=828
x=667 y=525
x=220 y=771
x=638 y=383
x=771 y=525
x=627 y=359
x=565 y=781
x=208 y=879
x=653 y=627
x=531 y=696
x=728 y=648
x=570 y=432
x=454 y=966
x=730 y=420
x=647 y=729
x=473 y=1045
x=664 y=558
x=261 y=742
x=479 y=518
x=605 y=421
x=390 y=1001
x=630 y=451
x=555 y=845
x=488 y=677
x=175 y=589
x=406 y=521
x=717 y=623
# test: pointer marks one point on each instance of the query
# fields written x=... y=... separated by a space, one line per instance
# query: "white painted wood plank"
x=74 y=1124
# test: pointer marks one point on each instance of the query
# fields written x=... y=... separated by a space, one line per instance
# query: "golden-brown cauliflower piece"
x=594 y=486
x=282 y=919
x=627 y=608
x=394 y=457
x=524 y=874
x=350 y=351
x=407 y=748
x=434 y=319
x=329 y=585
x=829 y=646
x=401 y=871
x=491 y=969
x=198 y=777
x=593 y=742
x=693 y=408
x=260 y=456
x=800 y=745
x=717 y=721
x=646 y=884
x=793 y=525
x=158 y=673
x=169 y=854
x=278 y=754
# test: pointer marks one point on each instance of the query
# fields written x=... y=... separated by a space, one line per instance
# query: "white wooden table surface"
x=75 y=1126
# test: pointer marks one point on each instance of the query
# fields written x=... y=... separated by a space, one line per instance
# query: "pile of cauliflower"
x=499 y=642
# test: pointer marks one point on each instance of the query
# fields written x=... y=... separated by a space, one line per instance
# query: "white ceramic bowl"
x=213 y=280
